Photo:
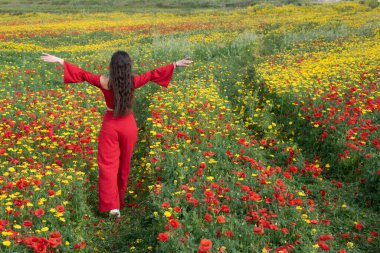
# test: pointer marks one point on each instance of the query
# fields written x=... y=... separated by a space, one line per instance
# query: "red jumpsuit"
x=117 y=136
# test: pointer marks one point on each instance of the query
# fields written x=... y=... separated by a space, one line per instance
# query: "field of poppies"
x=269 y=142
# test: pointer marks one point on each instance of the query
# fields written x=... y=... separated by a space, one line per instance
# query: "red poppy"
x=285 y=231
x=209 y=193
x=174 y=223
x=51 y=192
x=345 y=235
x=163 y=237
x=205 y=245
x=39 y=212
x=359 y=226
x=221 y=219
x=287 y=174
x=245 y=188
x=27 y=223
x=225 y=208
x=228 y=233
x=214 y=185
x=207 y=217
x=39 y=248
x=55 y=239
x=282 y=249
x=326 y=237
x=258 y=230
x=323 y=245
x=293 y=168
x=254 y=196
x=165 y=205
x=60 y=208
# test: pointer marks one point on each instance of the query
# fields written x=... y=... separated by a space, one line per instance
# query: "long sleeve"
x=161 y=76
x=74 y=74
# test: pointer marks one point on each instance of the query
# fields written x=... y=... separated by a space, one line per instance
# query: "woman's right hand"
x=51 y=58
x=183 y=63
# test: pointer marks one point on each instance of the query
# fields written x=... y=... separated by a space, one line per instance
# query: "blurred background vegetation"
x=21 y=6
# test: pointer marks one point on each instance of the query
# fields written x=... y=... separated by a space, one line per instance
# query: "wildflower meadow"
x=268 y=142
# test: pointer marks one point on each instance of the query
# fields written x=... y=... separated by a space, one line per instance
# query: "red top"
x=74 y=74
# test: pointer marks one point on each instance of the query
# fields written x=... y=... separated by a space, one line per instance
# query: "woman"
x=118 y=133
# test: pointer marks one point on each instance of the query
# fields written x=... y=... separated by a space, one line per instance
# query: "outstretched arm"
x=161 y=75
x=74 y=74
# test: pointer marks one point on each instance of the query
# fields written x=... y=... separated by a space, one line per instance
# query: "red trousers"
x=117 y=139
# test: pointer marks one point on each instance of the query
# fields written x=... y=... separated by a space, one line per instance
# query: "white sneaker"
x=115 y=213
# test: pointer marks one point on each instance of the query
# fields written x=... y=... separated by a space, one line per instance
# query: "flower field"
x=269 y=142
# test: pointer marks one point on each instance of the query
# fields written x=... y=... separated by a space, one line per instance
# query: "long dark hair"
x=121 y=83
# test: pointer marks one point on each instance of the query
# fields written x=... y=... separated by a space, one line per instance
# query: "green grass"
x=104 y=235
x=62 y=6
x=75 y=6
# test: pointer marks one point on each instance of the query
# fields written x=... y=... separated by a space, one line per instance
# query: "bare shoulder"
x=104 y=82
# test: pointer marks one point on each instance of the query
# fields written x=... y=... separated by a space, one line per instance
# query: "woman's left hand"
x=51 y=58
